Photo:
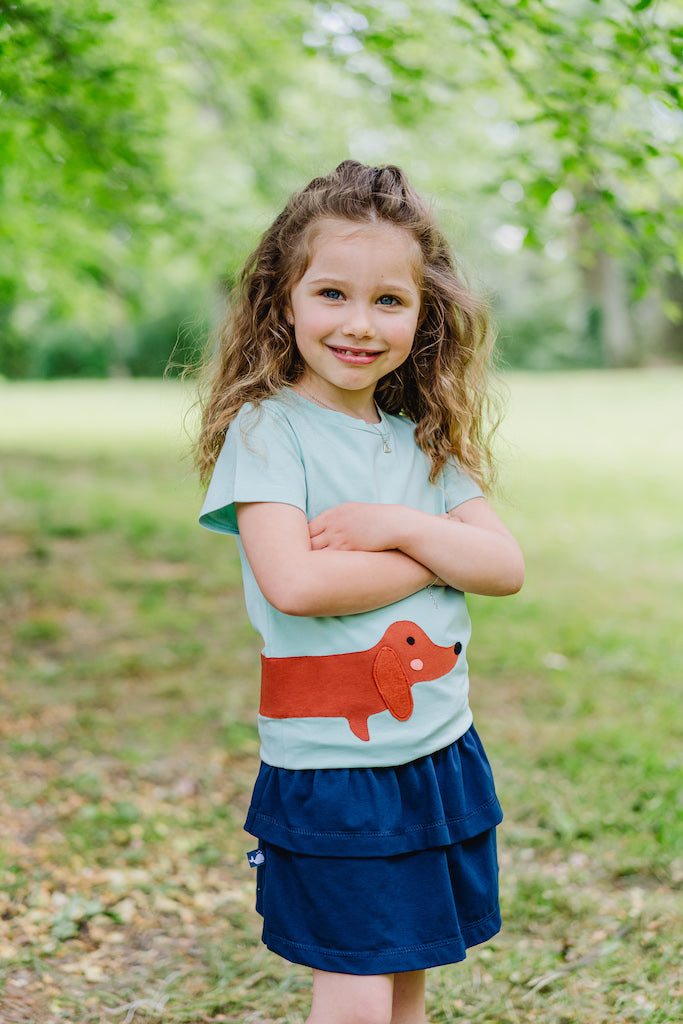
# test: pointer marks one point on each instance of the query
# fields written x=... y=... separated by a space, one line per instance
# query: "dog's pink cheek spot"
x=416 y=664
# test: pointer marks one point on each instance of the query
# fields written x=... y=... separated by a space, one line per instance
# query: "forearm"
x=469 y=549
x=345 y=582
x=465 y=556
x=298 y=580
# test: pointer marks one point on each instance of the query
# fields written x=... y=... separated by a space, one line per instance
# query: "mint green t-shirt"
x=292 y=451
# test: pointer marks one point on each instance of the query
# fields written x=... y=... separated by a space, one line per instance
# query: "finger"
x=328 y=540
x=319 y=522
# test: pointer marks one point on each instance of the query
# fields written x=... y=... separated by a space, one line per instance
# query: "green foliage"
x=591 y=90
x=82 y=119
x=66 y=350
x=572 y=113
x=170 y=342
x=144 y=145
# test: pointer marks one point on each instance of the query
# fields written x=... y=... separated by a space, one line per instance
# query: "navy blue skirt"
x=376 y=871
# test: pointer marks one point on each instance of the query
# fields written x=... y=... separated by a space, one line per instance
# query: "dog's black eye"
x=410 y=640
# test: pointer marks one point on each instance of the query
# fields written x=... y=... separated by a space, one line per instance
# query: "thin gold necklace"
x=386 y=436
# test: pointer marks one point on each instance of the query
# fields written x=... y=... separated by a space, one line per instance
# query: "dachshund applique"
x=355 y=686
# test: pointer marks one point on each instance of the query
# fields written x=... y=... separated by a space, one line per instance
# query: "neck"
x=364 y=408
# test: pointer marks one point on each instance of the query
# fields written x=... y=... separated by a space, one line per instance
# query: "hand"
x=355 y=526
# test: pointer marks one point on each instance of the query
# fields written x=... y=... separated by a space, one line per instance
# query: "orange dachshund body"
x=357 y=685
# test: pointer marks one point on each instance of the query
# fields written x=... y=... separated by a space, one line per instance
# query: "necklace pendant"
x=387 y=448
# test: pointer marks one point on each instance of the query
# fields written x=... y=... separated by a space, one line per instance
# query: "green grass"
x=129 y=687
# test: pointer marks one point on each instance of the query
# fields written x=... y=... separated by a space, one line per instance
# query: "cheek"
x=310 y=323
x=403 y=337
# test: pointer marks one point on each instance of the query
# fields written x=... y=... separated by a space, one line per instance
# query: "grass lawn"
x=129 y=686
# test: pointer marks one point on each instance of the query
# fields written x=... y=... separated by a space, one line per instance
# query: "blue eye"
x=331 y=293
x=388 y=300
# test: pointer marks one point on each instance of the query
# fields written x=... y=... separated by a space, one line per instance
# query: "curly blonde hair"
x=443 y=386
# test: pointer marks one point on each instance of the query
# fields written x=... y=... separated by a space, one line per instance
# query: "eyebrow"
x=340 y=283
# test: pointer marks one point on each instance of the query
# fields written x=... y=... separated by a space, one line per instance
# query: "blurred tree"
x=81 y=118
x=144 y=143
x=586 y=99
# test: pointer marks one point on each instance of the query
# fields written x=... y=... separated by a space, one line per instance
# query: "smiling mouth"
x=354 y=355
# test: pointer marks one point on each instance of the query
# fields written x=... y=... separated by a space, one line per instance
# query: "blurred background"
x=145 y=144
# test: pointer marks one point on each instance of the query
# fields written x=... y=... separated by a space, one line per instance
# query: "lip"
x=354 y=356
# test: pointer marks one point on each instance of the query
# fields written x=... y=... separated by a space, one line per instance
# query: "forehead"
x=333 y=241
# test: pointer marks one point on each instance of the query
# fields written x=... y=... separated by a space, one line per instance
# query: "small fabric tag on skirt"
x=256 y=857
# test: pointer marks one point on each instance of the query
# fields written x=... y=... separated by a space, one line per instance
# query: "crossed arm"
x=359 y=556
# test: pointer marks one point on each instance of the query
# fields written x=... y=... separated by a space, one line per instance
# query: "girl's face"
x=355 y=310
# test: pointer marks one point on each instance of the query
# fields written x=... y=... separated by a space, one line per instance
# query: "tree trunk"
x=618 y=333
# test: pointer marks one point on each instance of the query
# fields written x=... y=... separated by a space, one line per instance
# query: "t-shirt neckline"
x=342 y=418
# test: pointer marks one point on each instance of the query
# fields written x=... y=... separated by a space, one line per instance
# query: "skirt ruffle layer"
x=436 y=800
x=380 y=915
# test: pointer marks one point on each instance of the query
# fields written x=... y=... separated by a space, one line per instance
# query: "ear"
x=289 y=316
x=393 y=684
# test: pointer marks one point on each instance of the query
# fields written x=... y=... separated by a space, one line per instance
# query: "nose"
x=358 y=324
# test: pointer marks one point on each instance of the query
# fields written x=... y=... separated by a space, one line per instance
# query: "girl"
x=347 y=402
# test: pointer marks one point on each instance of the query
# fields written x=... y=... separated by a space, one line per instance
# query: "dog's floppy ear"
x=393 y=684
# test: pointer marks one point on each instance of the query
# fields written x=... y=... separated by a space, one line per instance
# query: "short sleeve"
x=260 y=461
x=458 y=485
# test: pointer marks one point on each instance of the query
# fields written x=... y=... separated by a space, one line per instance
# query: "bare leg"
x=351 y=999
x=409 y=998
